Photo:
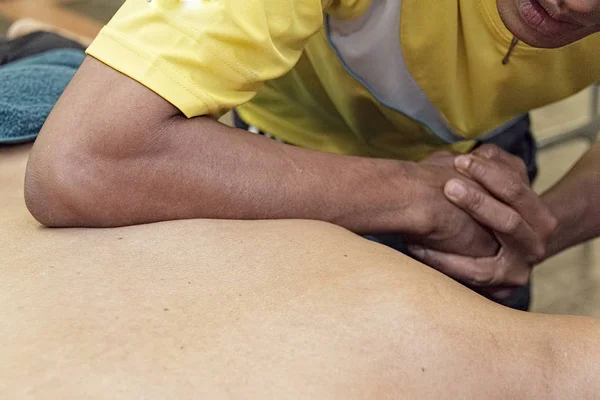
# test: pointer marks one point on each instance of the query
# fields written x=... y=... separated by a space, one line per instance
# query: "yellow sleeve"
x=207 y=56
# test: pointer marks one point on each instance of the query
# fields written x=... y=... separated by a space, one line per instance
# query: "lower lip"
x=534 y=15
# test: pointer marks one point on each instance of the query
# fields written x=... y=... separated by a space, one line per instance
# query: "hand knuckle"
x=429 y=223
x=514 y=176
x=483 y=277
x=539 y=252
x=513 y=190
x=520 y=279
x=475 y=201
x=481 y=280
x=521 y=167
x=518 y=166
x=512 y=223
x=477 y=169
x=552 y=225
x=489 y=151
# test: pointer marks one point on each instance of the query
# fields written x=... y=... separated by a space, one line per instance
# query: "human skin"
x=550 y=23
x=113 y=168
x=529 y=228
x=114 y=153
x=268 y=309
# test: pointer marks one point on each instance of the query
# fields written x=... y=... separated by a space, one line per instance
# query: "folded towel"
x=30 y=88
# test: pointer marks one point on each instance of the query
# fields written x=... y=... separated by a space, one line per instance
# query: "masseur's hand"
x=443 y=226
x=521 y=221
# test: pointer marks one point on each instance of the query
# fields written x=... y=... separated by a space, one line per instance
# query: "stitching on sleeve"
x=190 y=27
x=171 y=67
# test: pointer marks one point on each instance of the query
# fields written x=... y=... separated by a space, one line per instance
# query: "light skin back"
x=250 y=309
x=280 y=309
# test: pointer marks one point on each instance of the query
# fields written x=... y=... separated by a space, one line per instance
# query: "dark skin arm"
x=114 y=153
x=574 y=201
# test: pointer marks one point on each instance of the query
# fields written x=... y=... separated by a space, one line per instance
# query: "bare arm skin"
x=574 y=201
x=275 y=309
x=114 y=153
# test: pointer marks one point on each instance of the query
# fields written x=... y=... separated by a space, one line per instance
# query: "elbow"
x=60 y=185
x=50 y=194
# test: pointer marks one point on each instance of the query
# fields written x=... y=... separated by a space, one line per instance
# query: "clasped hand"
x=494 y=190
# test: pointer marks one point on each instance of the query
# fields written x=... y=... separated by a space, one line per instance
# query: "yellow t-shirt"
x=275 y=62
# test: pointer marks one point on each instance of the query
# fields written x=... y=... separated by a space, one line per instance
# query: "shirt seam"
x=239 y=71
x=108 y=32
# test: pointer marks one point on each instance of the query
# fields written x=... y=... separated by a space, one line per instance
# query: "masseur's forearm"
x=201 y=168
x=574 y=201
x=114 y=153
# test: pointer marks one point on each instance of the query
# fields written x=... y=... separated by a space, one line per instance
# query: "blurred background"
x=568 y=283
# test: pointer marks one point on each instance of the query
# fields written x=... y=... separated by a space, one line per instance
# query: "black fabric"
x=238 y=122
x=32 y=44
x=520 y=299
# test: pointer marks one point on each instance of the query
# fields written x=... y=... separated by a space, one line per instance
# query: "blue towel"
x=30 y=88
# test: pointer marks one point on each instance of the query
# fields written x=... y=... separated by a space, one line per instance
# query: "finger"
x=497 y=294
x=478 y=272
x=502 y=271
x=495 y=153
x=466 y=237
x=513 y=230
x=506 y=186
